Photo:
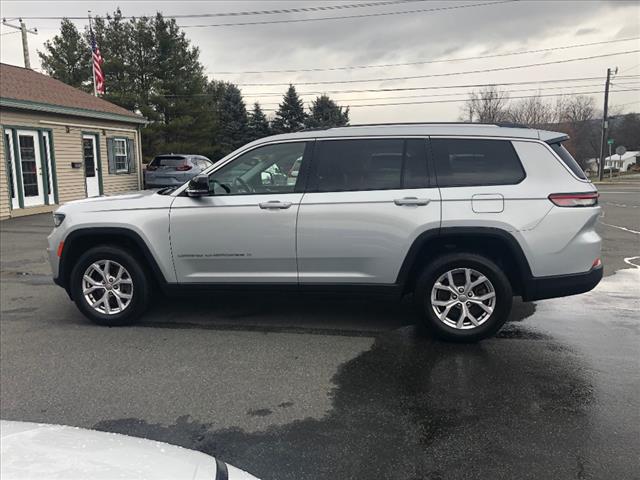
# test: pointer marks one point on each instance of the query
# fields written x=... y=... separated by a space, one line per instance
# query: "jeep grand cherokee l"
x=462 y=216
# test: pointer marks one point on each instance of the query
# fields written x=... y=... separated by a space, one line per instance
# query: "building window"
x=120 y=155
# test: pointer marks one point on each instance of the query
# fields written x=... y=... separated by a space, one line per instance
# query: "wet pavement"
x=317 y=388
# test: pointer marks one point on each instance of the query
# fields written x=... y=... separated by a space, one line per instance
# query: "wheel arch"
x=497 y=244
x=78 y=241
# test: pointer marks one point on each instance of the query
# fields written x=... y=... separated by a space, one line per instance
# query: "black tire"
x=140 y=297
x=430 y=274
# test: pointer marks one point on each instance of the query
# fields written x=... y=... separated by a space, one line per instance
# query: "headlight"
x=58 y=218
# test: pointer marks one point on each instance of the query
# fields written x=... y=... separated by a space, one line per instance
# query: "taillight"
x=183 y=168
x=575 y=199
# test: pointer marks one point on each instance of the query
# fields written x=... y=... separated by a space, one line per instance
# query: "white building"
x=619 y=162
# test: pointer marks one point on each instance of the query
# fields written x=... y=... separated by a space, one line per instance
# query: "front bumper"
x=539 y=288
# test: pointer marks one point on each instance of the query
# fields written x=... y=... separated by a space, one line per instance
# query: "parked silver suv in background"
x=463 y=216
x=174 y=170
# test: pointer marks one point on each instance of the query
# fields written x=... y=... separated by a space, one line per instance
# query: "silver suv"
x=463 y=216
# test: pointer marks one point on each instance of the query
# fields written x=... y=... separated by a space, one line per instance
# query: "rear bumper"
x=539 y=288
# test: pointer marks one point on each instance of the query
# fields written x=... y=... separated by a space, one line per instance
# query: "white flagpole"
x=93 y=69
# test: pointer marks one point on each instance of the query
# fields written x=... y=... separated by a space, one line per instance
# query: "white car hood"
x=40 y=451
x=137 y=200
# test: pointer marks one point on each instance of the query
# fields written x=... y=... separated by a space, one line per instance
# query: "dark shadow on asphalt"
x=308 y=314
x=415 y=408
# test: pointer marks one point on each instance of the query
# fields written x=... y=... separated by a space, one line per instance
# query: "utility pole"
x=605 y=123
x=25 y=44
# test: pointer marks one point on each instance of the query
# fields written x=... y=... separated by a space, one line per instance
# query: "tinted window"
x=568 y=160
x=168 y=161
x=415 y=164
x=465 y=162
x=369 y=164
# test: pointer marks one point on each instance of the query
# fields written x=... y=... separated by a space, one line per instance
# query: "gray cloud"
x=389 y=39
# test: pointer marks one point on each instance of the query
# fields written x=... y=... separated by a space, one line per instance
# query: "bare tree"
x=533 y=112
x=577 y=117
x=488 y=105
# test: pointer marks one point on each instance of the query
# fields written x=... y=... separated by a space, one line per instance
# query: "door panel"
x=231 y=239
x=245 y=231
x=31 y=167
x=361 y=237
x=368 y=200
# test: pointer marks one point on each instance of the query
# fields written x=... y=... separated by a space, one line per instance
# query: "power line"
x=348 y=17
x=432 y=87
x=434 y=75
x=252 y=13
x=424 y=62
x=464 y=99
x=453 y=94
x=403 y=89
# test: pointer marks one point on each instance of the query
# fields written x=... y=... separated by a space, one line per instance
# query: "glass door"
x=90 y=165
x=31 y=168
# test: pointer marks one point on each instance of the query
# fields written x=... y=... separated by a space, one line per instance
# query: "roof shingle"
x=23 y=84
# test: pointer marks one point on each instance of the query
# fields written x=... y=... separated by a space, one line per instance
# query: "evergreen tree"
x=258 y=126
x=325 y=113
x=68 y=57
x=290 y=116
x=232 y=115
x=150 y=67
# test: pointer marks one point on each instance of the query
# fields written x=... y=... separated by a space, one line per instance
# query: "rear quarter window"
x=568 y=160
x=473 y=162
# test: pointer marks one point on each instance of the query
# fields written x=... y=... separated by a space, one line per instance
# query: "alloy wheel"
x=463 y=298
x=107 y=287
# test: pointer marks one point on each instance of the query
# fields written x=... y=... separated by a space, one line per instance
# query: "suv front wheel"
x=463 y=297
x=109 y=286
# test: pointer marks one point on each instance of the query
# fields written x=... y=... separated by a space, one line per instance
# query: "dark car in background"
x=174 y=170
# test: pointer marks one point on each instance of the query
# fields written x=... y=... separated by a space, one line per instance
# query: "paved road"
x=312 y=388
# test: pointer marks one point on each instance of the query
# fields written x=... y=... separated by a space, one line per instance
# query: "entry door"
x=245 y=230
x=31 y=167
x=90 y=152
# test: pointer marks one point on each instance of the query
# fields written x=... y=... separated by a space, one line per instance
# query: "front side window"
x=471 y=162
x=268 y=169
x=120 y=155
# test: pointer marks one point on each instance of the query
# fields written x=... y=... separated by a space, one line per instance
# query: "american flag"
x=97 y=65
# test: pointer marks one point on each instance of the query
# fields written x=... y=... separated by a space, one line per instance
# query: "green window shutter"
x=131 y=155
x=111 y=157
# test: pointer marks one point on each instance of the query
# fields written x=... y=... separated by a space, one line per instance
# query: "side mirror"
x=198 y=186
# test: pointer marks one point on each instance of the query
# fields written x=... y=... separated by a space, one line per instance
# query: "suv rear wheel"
x=109 y=286
x=463 y=297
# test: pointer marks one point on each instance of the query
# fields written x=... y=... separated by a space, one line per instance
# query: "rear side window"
x=369 y=164
x=568 y=160
x=174 y=161
x=471 y=162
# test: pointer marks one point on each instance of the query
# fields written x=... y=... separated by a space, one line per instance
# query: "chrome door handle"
x=275 y=205
x=411 y=201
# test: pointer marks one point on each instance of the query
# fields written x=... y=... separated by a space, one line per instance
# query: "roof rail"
x=392 y=124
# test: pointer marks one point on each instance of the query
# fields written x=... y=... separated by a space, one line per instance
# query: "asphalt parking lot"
x=317 y=388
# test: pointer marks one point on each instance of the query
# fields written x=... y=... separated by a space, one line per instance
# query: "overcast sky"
x=399 y=38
